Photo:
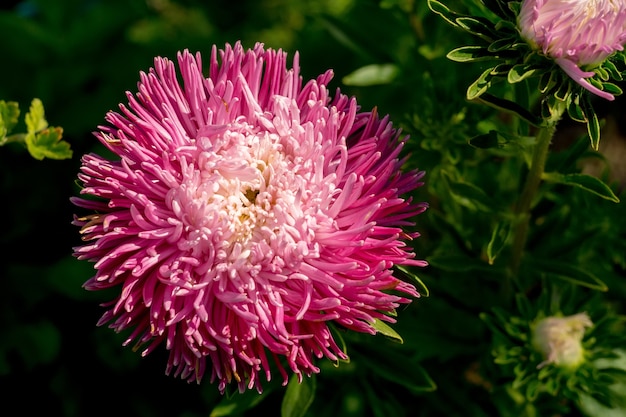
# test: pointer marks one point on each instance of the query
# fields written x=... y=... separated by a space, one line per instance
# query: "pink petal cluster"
x=245 y=213
x=577 y=34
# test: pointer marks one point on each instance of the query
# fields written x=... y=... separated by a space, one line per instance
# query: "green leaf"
x=36 y=118
x=567 y=271
x=499 y=238
x=593 y=124
x=238 y=403
x=374 y=74
x=421 y=287
x=386 y=330
x=575 y=111
x=9 y=114
x=48 y=144
x=482 y=84
x=470 y=54
x=586 y=182
x=298 y=396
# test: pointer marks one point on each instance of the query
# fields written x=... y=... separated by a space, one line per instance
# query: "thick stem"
x=533 y=180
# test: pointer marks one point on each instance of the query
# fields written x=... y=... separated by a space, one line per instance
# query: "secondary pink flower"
x=578 y=34
x=246 y=212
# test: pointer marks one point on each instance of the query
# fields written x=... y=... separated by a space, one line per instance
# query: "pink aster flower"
x=245 y=213
x=578 y=34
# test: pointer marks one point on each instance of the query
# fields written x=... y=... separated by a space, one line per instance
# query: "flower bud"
x=577 y=34
x=559 y=339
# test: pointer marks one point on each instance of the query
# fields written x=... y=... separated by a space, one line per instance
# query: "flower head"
x=245 y=213
x=559 y=339
x=577 y=34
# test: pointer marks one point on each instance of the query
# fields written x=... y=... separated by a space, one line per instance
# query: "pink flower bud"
x=578 y=34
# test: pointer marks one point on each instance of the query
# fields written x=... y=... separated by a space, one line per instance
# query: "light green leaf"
x=521 y=72
x=374 y=74
x=48 y=144
x=9 y=114
x=443 y=11
x=36 y=118
x=386 y=330
x=298 y=397
x=586 y=182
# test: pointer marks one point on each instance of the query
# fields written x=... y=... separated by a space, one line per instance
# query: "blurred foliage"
x=79 y=56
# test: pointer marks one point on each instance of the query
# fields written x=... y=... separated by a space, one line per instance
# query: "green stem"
x=533 y=180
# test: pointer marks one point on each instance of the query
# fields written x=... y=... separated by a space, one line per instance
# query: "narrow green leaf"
x=9 y=114
x=374 y=74
x=482 y=84
x=35 y=118
x=593 y=124
x=470 y=54
x=575 y=111
x=612 y=88
x=499 y=238
x=567 y=271
x=502 y=44
x=298 y=396
x=586 y=182
x=414 y=279
x=236 y=404
x=386 y=330
x=48 y=144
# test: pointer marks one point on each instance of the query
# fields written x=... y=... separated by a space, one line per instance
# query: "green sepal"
x=502 y=44
x=298 y=396
x=548 y=81
x=612 y=69
x=611 y=88
x=520 y=72
x=586 y=182
x=575 y=111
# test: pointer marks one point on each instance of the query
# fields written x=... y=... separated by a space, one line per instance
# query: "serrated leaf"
x=374 y=74
x=386 y=330
x=35 y=118
x=499 y=238
x=586 y=182
x=567 y=271
x=9 y=115
x=481 y=85
x=414 y=279
x=48 y=144
x=470 y=54
x=298 y=397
